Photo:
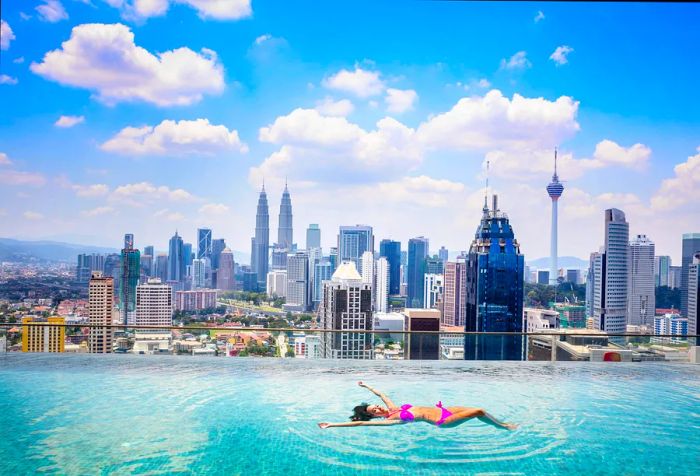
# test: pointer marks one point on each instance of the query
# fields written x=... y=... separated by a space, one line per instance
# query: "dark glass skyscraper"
x=203 y=243
x=313 y=236
x=495 y=270
x=691 y=245
x=391 y=250
x=417 y=252
x=176 y=259
x=130 y=271
x=260 y=259
x=352 y=242
x=285 y=232
x=217 y=247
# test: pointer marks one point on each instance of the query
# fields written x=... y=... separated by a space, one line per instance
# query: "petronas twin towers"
x=260 y=243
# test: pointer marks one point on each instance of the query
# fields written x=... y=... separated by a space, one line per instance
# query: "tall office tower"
x=368 y=268
x=113 y=263
x=313 y=236
x=225 y=276
x=279 y=257
x=261 y=243
x=43 y=334
x=455 y=293
x=694 y=298
x=87 y=263
x=554 y=190
x=129 y=278
x=176 y=259
x=149 y=250
x=315 y=255
x=495 y=270
x=381 y=288
x=417 y=253
x=391 y=250
x=277 y=283
x=433 y=287
x=217 y=247
x=661 y=270
x=154 y=304
x=612 y=274
x=161 y=267
x=298 y=290
x=346 y=305
x=443 y=254
x=333 y=258
x=285 y=237
x=674 y=277
x=691 y=245
x=641 y=292
x=204 y=243
x=100 y=309
x=434 y=265
x=353 y=241
x=187 y=254
x=323 y=270
x=594 y=262
x=199 y=270
x=146 y=266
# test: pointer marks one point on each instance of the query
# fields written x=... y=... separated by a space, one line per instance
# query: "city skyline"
x=374 y=133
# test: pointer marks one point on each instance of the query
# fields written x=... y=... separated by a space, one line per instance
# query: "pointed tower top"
x=263 y=185
x=554 y=177
x=486 y=192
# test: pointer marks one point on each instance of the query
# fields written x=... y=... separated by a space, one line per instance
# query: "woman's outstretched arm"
x=361 y=423
x=387 y=401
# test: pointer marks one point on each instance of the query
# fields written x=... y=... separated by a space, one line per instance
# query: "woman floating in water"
x=444 y=417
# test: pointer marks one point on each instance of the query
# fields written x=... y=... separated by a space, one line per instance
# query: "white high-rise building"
x=199 y=273
x=100 y=313
x=298 y=286
x=641 y=297
x=368 y=267
x=433 y=288
x=554 y=190
x=277 y=283
x=694 y=298
x=154 y=304
x=381 y=289
x=611 y=280
x=346 y=306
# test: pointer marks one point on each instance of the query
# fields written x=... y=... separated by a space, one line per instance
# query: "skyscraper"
x=323 y=270
x=554 y=189
x=176 y=259
x=298 y=286
x=381 y=288
x=204 y=243
x=368 y=267
x=595 y=264
x=199 y=270
x=494 y=286
x=100 y=308
x=225 y=277
x=691 y=245
x=217 y=247
x=148 y=250
x=694 y=298
x=417 y=253
x=353 y=241
x=154 y=304
x=129 y=278
x=285 y=230
x=161 y=267
x=346 y=305
x=433 y=287
x=391 y=250
x=455 y=293
x=611 y=279
x=313 y=236
x=661 y=270
x=641 y=297
x=87 y=263
x=443 y=254
x=261 y=242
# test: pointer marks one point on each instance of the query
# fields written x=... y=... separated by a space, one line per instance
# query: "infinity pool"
x=85 y=414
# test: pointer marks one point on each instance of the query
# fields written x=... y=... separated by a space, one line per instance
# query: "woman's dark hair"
x=360 y=413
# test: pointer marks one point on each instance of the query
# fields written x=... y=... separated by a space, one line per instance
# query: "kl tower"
x=554 y=189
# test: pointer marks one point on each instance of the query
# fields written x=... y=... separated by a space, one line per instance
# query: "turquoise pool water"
x=83 y=414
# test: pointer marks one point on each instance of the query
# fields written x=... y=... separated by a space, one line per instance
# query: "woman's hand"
x=323 y=426
x=362 y=384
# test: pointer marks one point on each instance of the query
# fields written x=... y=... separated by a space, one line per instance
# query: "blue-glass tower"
x=130 y=271
x=495 y=269
x=285 y=233
x=260 y=259
x=176 y=259
x=417 y=253
x=391 y=250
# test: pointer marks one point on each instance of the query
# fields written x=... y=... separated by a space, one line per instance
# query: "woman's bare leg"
x=465 y=414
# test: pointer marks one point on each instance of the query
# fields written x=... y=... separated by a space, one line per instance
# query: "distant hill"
x=568 y=262
x=19 y=250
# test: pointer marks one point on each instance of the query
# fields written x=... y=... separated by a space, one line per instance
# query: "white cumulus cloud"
x=517 y=61
x=214 y=9
x=104 y=58
x=539 y=16
x=329 y=107
x=682 y=189
x=360 y=82
x=169 y=215
x=215 y=209
x=400 y=100
x=6 y=35
x=197 y=137
x=145 y=193
x=5 y=79
x=52 y=11
x=560 y=55
x=98 y=211
x=94 y=190
x=69 y=121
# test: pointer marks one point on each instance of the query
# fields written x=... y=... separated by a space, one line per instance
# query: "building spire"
x=486 y=191
x=263 y=187
x=555 y=178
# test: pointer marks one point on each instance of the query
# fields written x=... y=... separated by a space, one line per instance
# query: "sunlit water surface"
x=85 y=414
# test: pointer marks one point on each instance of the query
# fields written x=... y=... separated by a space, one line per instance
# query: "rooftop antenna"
x=486 y=192
x=263 y=187
x=555 y=164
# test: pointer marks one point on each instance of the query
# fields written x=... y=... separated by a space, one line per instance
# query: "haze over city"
x=376 y=114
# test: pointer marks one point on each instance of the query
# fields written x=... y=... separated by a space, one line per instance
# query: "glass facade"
x=353 y=241
x=391 y=250
x=417 y=252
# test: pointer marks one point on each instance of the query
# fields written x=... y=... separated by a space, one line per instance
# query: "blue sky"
x=381 y=113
